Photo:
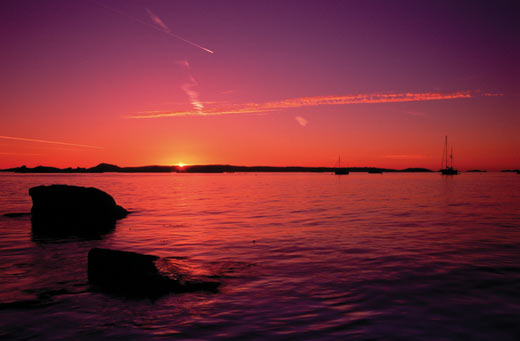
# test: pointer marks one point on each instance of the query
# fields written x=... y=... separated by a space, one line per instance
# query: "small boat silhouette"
x=340 y=170
x=448 y=170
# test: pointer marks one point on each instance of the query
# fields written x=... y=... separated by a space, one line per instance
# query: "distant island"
x=108 y=168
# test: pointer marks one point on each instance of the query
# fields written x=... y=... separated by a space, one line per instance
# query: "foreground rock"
x=134 y=274
x=73 y=210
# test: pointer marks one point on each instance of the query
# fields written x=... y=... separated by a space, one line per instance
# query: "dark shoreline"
x=107 y=168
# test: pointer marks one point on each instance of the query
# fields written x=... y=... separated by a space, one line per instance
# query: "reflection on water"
x=299 y=255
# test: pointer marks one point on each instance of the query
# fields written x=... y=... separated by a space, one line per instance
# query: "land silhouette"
x=109 y=168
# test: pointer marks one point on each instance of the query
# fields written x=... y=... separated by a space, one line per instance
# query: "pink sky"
x=256 y=83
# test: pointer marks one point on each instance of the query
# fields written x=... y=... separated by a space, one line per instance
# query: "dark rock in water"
x=134 y=274
x=73 y=210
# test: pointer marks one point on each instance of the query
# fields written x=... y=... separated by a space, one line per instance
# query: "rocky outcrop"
x=134 y=274
x=73 y=210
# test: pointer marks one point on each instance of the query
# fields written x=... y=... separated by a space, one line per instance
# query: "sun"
x=181 y=165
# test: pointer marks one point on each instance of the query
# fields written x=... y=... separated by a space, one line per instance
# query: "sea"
x=300 y=256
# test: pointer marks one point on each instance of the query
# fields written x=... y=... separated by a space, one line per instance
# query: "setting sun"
x=180 y=164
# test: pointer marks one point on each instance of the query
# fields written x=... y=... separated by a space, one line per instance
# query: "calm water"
x=368 y=256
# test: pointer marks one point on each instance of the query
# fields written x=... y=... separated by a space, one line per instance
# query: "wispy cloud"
x=366 y=99
x=47 y=141
x=299 y=102
x=158 y=20
x=188 y=88
x=159 y=114
x=301 y=121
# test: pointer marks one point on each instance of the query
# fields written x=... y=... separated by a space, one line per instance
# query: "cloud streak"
x=301 y=121
x=366 y=99
x=373 y=98
x=188 y=89
x=51 y=142
x=159 y=25
x=165 y=29
x=158 y=20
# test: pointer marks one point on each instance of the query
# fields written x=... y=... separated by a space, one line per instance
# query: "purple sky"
x=75 y=71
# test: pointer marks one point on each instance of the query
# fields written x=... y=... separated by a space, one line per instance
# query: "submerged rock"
x=135 y=274
x=73 y=210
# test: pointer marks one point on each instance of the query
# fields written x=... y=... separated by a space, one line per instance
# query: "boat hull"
x=449 y=171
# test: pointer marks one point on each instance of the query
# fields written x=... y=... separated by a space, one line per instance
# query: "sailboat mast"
x=446 y=151
x=444 y=160
x=448 y=167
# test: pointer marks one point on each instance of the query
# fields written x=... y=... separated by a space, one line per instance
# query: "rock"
x=135 y=274
x=73 y=210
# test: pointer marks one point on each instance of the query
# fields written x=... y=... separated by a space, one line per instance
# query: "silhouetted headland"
x=135 y=274
x=375 y=171
x=108 y=168
x=101 y=168
x=476 y=171
x=62 y=210
x=511 y=171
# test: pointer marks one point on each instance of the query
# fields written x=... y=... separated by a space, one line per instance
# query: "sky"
x=282 y=83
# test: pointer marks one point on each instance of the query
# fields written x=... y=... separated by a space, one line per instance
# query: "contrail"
x=45 y=141
x=163 y=28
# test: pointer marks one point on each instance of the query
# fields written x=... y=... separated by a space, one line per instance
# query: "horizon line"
x=187 y=166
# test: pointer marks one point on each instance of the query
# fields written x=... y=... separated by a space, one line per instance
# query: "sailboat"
x=448 y=170
x=339 y=170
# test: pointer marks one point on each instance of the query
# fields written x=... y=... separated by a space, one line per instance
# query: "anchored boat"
x=340 y=170
x=447 y=170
